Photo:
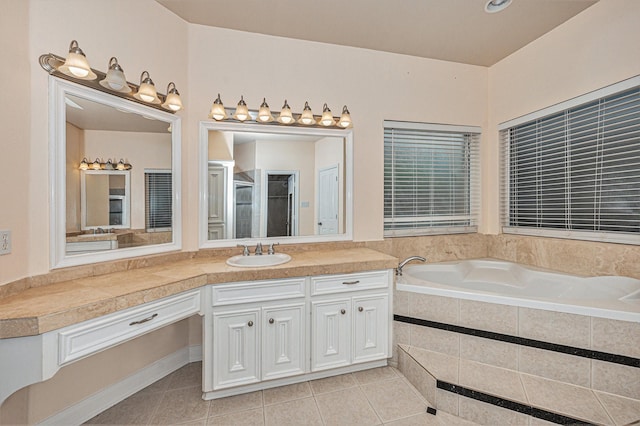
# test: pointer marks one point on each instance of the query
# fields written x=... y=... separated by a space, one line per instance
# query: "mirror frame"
x=58 y=89
x=203 y=155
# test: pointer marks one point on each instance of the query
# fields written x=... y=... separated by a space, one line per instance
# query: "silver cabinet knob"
x=250 y=323
x=360 y=309
x=271 y=320
x=342 y=311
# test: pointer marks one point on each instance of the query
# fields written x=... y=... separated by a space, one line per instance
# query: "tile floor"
x=371 y=397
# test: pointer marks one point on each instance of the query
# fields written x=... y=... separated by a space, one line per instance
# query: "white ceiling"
x=450 y=30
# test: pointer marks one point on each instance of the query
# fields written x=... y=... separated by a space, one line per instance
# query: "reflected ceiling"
x=450 y=30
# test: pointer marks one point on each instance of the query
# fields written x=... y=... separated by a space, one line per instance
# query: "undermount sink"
x=258 y=261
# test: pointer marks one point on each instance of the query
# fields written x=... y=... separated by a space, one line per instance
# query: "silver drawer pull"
x=142 y=321
x=342 y=311
x=250 y=323
x=351 y=282
x=271 y=320
x=360 y=309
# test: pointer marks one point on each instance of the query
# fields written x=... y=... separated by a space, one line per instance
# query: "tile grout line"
x=604 y=407
x=360 y=385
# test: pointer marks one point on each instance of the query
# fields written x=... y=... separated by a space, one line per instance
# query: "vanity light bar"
x=99 y=165
x=76 y=69
x=264 y=115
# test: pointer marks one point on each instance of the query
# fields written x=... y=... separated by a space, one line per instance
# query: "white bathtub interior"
x=503 y=282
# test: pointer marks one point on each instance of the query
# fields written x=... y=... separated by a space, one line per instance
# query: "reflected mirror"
x=262 y=182
x=117 y=187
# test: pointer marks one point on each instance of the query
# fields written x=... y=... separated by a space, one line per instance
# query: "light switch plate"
x=5 y=242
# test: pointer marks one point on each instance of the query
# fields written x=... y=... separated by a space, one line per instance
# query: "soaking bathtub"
x=507 y=283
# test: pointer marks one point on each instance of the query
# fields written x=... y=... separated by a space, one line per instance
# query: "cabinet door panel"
x=236 y=351
x=331 y=334
x=283 y=341
x=370 y=325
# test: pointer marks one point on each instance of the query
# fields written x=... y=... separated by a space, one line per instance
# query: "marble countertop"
x=41 y=309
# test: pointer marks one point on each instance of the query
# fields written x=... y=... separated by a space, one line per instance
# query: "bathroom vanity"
x=261 y=334
x=321 y=314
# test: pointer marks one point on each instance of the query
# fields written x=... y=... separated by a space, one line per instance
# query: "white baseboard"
x=109 y=396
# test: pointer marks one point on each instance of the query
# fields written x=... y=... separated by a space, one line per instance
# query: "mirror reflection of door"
x=243 y=209
x=328 y=200
x=281 y=204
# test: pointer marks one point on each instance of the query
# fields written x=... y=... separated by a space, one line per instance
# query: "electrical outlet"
x=5 y=242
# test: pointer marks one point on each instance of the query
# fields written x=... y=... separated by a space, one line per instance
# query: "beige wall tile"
x=420 y=378
x=554 y=327
x=562 y=398
x=618 y=337
x=401 y=302
x=447 y=401
x=441 y=366
x=492 y=380
x=489 y=316
x=622 y=410
x=491 y=415
x=434 y=308
x=557 y=366
x=436 y=340
x=487 y=351
x=616 y=379
x=401 y=333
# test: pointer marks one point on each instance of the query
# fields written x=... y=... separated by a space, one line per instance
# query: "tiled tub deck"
x=500 y=364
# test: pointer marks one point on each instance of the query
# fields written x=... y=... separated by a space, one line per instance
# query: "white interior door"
x=328 y=201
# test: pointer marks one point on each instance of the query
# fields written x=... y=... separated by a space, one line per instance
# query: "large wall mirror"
x=274 y=183
x=102 y=210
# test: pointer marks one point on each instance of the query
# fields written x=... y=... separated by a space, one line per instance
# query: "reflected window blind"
x=576 y=172
x=158 y=197
x=430 y=178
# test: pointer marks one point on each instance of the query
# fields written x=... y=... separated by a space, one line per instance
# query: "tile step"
x=440 y=377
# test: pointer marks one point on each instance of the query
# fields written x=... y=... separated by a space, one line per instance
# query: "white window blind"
x=575 y=173
x=430 y=178
x=158 y=200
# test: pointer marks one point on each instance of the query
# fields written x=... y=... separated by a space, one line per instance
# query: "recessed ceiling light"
x=494 y=6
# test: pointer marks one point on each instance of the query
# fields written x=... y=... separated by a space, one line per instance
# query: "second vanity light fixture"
x=76 y=68
x=99 y=165
x=286 y=116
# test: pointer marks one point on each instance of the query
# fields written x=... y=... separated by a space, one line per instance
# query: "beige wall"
x=15 y=149
x=375 y=85
x=596 y=48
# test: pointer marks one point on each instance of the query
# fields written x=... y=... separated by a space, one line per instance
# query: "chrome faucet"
x=272 y=250
x=245 y=249
x=407 y=260
x=259 y=249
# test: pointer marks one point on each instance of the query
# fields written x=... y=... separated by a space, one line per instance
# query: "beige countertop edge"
x=57 y=316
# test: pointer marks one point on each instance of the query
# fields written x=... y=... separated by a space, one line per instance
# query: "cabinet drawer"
x=349 y=282
x=257 y=291
x=91 y=336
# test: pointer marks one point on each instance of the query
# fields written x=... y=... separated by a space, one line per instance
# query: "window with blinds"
x=575 y=172
x=431 y=176
x=158 y=200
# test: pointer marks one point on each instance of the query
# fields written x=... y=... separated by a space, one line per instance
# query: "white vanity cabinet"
x=261 y=334
x=350 y=319
x=257 y=332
